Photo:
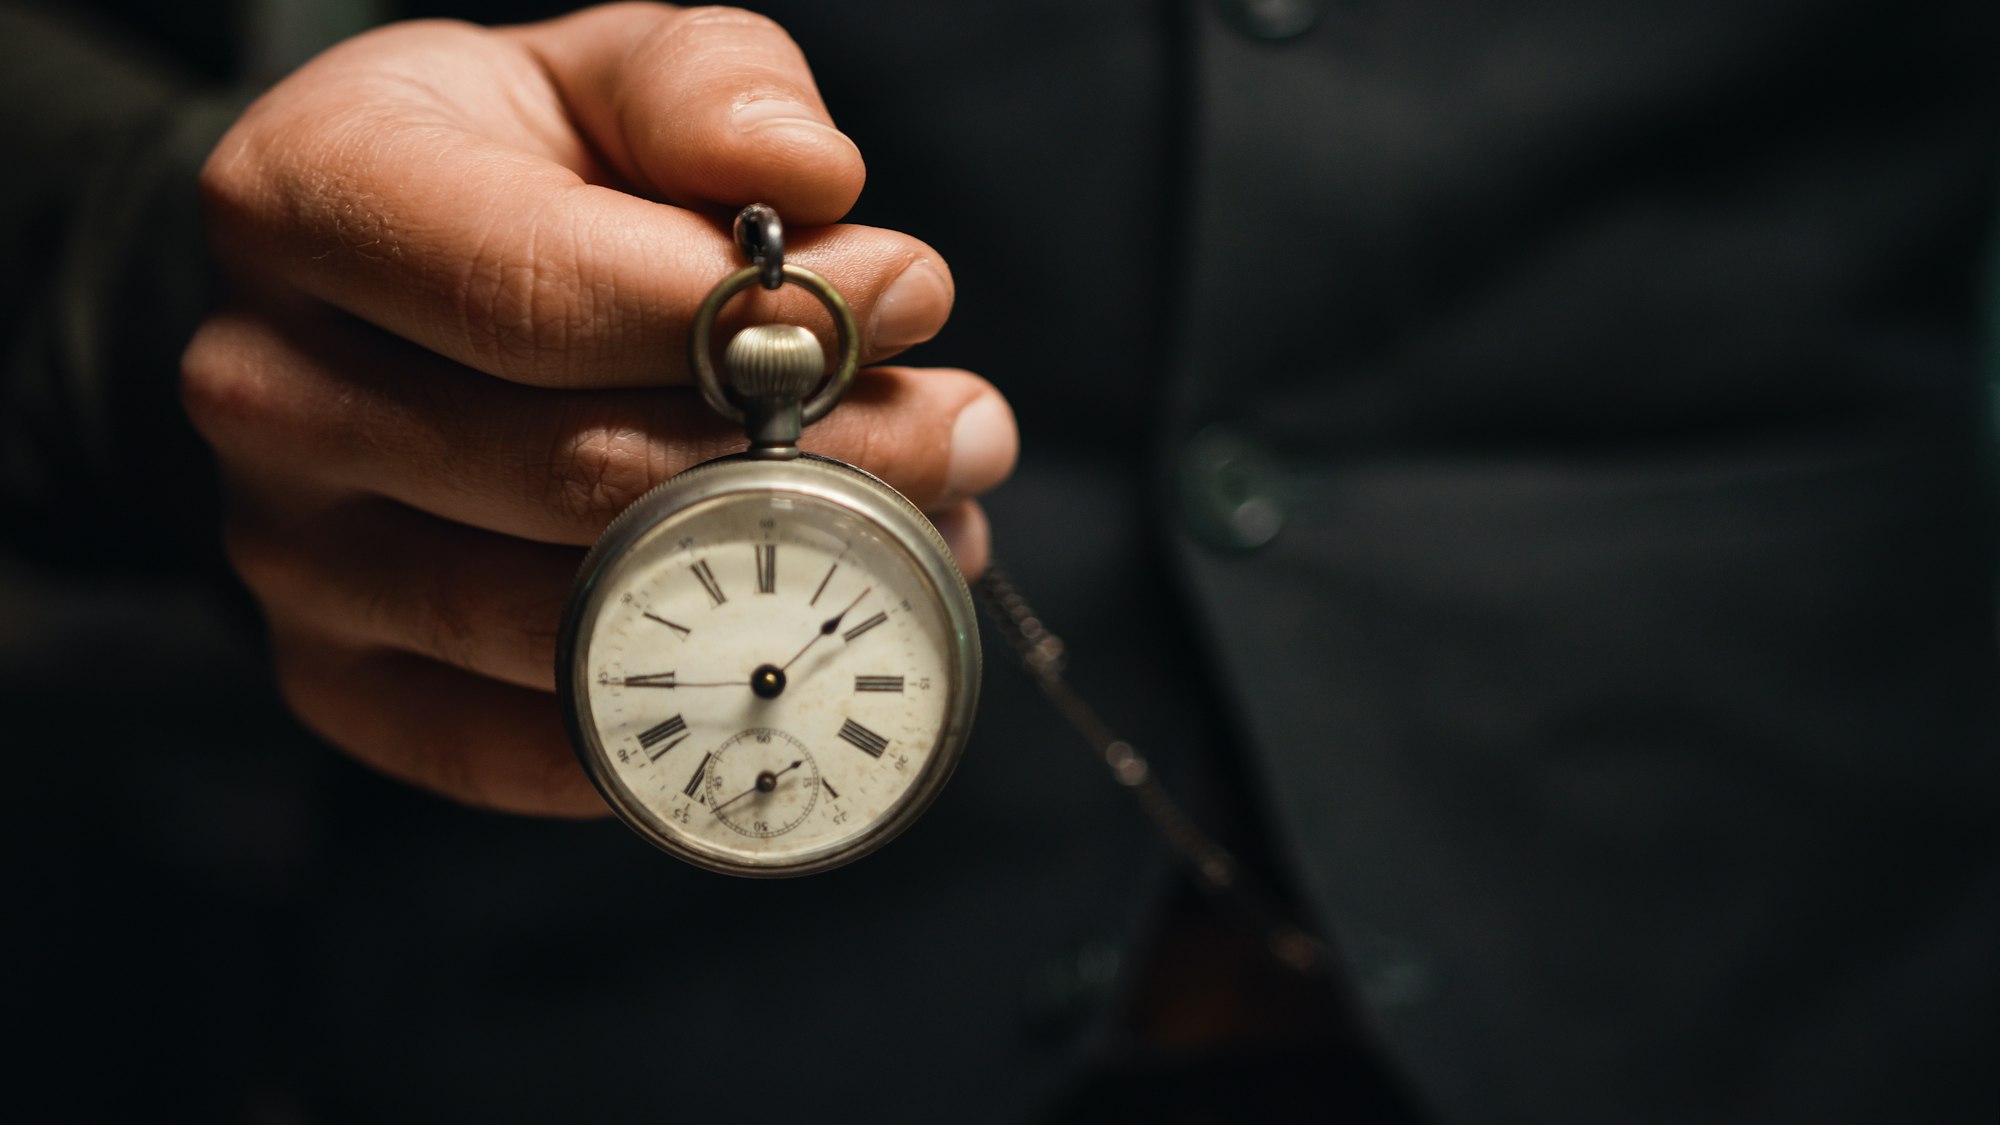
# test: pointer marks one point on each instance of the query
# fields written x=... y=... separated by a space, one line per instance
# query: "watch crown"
x=774 y=361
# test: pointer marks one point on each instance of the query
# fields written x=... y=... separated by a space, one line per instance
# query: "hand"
x=463 y=266
x=826 y=628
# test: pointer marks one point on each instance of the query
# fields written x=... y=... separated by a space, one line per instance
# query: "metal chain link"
x=1212 y=866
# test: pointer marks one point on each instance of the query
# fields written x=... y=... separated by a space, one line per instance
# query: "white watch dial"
x=765 y=679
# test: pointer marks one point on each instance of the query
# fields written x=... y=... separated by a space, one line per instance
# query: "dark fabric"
x=1618 y=690
x=1625 y=676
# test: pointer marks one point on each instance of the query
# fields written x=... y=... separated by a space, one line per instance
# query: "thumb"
x=701 y=106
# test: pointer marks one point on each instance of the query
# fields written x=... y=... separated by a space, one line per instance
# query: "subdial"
x=762 y=782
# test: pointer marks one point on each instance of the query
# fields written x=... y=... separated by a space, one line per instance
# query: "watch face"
x=764 y=672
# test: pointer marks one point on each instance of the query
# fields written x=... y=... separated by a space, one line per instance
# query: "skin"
x=462 y=265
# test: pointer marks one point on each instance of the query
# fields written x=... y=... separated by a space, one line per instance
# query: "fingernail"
x=912 y=309
x=983 y=446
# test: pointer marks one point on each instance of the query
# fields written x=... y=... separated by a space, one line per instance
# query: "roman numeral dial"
x=772 y=678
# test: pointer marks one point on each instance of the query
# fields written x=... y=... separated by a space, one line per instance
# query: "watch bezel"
x=813 y=477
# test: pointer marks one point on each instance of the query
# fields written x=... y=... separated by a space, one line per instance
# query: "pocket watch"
x=769 y=663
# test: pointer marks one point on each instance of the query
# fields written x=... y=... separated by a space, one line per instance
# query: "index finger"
x=505 y=259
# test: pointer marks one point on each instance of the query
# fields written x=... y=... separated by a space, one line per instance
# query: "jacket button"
x=1270 y=19
x=1232 y=493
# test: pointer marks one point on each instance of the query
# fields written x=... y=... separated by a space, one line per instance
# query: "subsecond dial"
x=761 y=782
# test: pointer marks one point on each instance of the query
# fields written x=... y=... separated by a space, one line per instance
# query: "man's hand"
x=463 y=265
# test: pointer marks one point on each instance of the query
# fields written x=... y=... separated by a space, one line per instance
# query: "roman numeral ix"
x=673 y=732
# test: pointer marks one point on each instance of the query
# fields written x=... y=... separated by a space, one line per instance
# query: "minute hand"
x=826 y=628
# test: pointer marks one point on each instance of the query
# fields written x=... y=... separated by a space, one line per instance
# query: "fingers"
x=408 y=522
x=366 y=413
x=702 y=106
x=389 y=181
x=370 y=573
x=965 y=530
x=937 y=435
x=471 y=739
x=456 y=732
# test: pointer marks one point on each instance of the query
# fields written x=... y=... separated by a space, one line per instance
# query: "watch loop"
x=761 y=236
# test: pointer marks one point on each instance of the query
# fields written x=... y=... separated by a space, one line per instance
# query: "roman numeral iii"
x=866 y=740
x=878 y=683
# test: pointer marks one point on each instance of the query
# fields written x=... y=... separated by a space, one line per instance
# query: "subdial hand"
x=827 y=627
x=766 y=781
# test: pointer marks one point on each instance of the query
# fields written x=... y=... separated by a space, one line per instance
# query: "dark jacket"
x=1522 y=466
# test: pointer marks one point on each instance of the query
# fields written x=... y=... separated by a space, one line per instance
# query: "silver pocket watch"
x=769 y=663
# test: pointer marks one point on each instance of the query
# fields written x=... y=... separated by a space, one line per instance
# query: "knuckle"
x=523 y=308
x=598 y=471
x=221 y=392
x=228 y=183
x=223 y=182
x=452 y=621
x=263 y=183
